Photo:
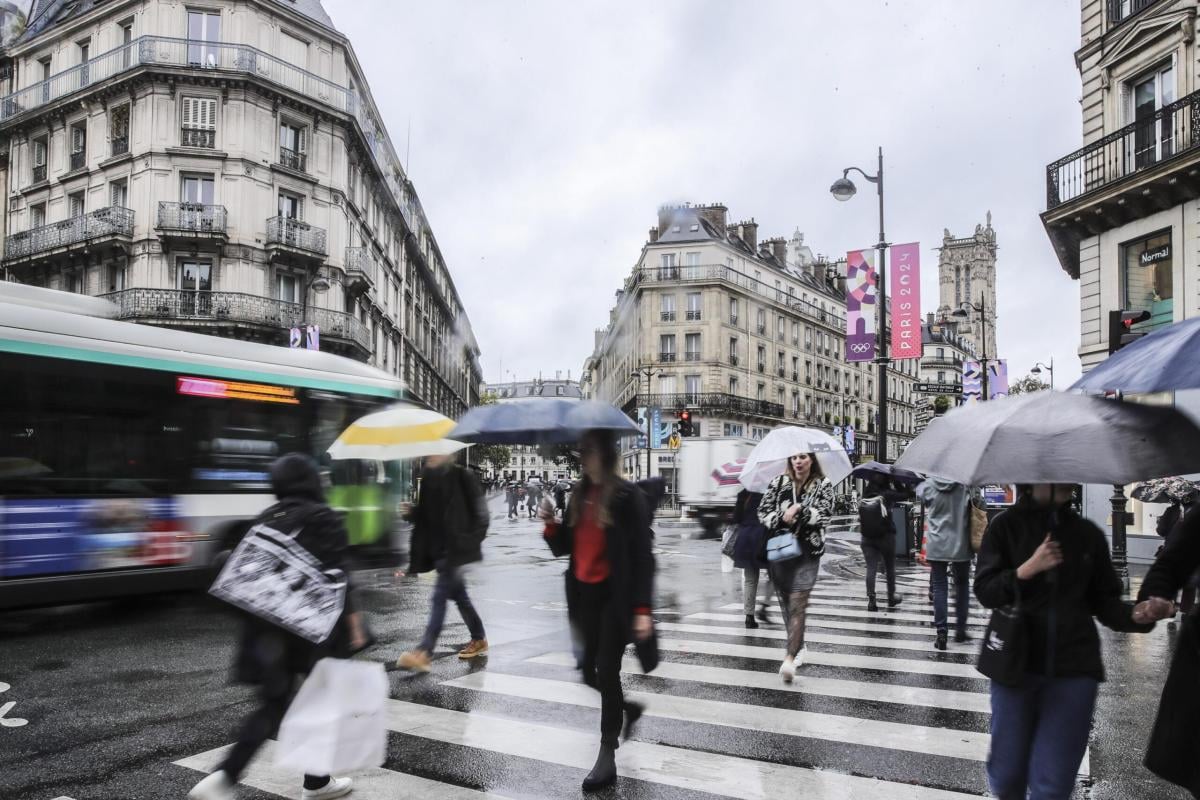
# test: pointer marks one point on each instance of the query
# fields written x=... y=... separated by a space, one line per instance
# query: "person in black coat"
x=750 y=553
x=450 y=521
x=609 y=582
x=880 y=549
x=276 y=660
x=1055 y=564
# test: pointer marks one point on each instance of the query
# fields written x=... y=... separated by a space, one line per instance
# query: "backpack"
x=873 y=518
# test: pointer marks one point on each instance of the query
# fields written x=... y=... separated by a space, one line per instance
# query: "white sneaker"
x=216 y=786
x=800 y=657
x=787 y=669
x=337 y=787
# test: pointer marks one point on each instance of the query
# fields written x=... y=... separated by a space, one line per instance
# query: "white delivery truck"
x=708 y=482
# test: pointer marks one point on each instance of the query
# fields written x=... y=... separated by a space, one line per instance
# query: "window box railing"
x=796 y=377
x=78 y=160
x=1158 y=138
x=762 y=329
x=1121 y=10
x=295 y=234
x=39 y=173
x=292 y=159
x=236 y=307
x=198 y=137
x=691 y=356
x=101 y=223
x=733 y=319
x=666 y=357
x=120 y=145
x=668 y=316
x=733 y=361
x=780 y=371
x=762 y=367
x=195 y=218
x=693 y=315
x=360 y=268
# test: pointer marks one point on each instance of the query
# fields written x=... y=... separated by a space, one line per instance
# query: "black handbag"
x=1173 y=753
x=647 y=651
x=1005 y=648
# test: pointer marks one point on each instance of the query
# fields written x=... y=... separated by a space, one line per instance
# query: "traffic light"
x=1120 y=328
x=685 y=423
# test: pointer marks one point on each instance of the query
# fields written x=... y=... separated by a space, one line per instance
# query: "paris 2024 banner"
x=904 y=309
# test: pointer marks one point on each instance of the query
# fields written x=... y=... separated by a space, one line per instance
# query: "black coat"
x=627 y=545
x=1178 y=561
x=1058 y=606
x=750 y=547
x=450 y=521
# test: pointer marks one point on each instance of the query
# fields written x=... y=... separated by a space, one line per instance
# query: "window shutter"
x=207 y=114
x=189 y=112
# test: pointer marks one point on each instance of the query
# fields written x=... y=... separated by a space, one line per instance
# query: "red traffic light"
x=1120 y=328
x=685 y=415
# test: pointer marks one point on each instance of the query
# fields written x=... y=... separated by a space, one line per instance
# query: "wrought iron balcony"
x=39 y=173
x=733 y=361
x=796 y=377
x=70 y=234
x=272 y=318
x=667 y=316
x=198 y=137
x=733 y=319
x=295 y=236
x=292 y=159
x=78 y=160
x=192 y=220
x=666 y=357
x=360 y=269
x=1121 y=10
x=693 y=314
x=120 y=145
x=942 y=361
x=691 y=355
x=780 y=371
x=710 y=402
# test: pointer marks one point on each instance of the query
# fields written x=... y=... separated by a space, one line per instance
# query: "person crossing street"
x=948 y=548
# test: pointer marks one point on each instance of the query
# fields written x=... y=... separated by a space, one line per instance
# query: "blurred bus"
x=132 y=457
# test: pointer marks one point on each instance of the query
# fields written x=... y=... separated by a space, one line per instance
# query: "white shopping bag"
x=336 y=724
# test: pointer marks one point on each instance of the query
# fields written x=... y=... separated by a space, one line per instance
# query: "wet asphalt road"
x=104 y=698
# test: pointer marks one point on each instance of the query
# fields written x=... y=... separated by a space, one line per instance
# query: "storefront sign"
x=1154 y=256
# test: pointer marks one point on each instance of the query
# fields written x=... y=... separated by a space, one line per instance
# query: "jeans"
x=451 y=585
x=1039 y=736
x=274 y=698
x=750 y=576
x=603 y=638
x=877 y=551
x=962 y=592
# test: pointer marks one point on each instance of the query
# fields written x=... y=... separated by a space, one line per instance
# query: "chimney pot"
x=653 y=235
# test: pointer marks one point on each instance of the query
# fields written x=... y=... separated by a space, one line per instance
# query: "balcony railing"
x=39 y=173
x=733 y=319
x=360 y=267
x=796 y=377
x=693 y=315
x=762 y=367
x=709 y=401
x=1156 y=139
x=198 y=137
x=236 y=307
x=295 y=234
x=120 y=145
x=78 y=160
x=193 y=218
x=1121 y=10
x=691 y=356
x=666 y=357
x=667 y=316
x=104 y=222
x=780 y=371
x=733 y=361
x=292 y=159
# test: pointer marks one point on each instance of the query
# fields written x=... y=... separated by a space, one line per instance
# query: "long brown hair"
x=814 y=471
x=605 y=444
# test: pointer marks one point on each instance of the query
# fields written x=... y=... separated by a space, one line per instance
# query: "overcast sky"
x=544 y=136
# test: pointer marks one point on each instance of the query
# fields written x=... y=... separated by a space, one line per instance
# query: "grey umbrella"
x=1161 y=362
x=540 y=420
x=1052 y=437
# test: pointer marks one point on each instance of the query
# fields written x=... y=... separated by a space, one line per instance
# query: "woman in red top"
x=610 y=581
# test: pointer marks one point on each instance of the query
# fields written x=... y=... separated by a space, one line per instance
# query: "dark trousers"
x=450 y=585
x=602 y=634
x=275 y=695
x=1039 y=735
x=962 y=592
x=881 y=551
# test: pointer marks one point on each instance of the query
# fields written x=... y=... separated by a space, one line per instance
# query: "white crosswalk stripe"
x=822 y=607
x=822 y=658
x=812 y=636
x=837 y=624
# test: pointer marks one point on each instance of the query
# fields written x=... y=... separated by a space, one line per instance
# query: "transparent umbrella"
x=769 y=457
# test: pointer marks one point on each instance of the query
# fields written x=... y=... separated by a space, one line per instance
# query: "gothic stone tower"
x=967 y=273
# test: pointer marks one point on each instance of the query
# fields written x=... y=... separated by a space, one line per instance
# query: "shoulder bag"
x=1003 y=654
x=977 y=522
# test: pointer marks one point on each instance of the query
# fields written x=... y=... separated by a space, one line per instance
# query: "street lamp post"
x=981 y=310
x=1039 y=366
x=649 y=372
x=843 y=189
x=319 y=284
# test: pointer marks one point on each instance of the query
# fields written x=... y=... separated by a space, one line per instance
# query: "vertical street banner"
x=972 y=386
x=997 y=378
x=656 y=437
x=862 y=287
x=904 y=285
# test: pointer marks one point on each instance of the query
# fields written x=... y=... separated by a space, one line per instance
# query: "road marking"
x=5 y=720
x=821 y=607
x=837 y=624
x=826 y=727
x=811 y=636
x=829 y=687
x=822 y=658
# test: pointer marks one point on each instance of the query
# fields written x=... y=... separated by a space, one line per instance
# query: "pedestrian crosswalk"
x=875 y=712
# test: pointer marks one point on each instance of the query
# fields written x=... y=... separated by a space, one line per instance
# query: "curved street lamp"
x=1039 y=366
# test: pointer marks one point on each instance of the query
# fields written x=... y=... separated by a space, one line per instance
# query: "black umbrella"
x=873 y=469
x=539 y=421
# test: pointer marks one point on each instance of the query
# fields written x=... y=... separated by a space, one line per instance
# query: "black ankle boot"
x=604 y=773
x=872 y=606
x=895 y=601
x=750 y=623
x=961 y=636
x=940 y=644
x=633 y=712
x=762 y=615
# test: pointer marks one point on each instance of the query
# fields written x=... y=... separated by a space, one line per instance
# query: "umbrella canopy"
x=728 y=473
x=540 y=420
x=769 y=457
x=1166 y=490
x=1052 y=437
x=873 y=469
x=396 y=432
x=1161 y=362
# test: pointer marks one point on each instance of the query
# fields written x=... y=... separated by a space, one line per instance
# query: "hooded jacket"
x=948 y=536
x=450 y=520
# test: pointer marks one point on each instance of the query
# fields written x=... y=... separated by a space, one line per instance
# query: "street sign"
x=673 y=442
x=938 y=388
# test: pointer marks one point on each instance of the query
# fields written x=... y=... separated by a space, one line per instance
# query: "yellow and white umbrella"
x=396 y=432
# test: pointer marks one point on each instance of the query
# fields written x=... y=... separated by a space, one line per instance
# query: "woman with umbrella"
x=610 y=584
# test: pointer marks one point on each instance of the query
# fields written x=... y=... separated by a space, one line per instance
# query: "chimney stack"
x=779 y=249
x=653 y=235
x=748 y=233
x=716 y=215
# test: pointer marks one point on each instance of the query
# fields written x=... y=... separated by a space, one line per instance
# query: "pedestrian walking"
x=276 y=660
x=610 y=585
x=450 y=521
x=750 y=553
x=560 y=496
x=879 y=535
x=948 y=549
x=535 y=497
x=510 y=496
x=798 y=502
x=1170 y=527
x=1050 y=569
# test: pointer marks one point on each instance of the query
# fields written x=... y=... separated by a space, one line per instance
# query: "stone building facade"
x=944 y=349
x=745 y=334
x=222 y=167
x=527 y=462
x=967 y=275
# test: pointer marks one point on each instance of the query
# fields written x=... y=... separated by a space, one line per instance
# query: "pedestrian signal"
x=1120 y=328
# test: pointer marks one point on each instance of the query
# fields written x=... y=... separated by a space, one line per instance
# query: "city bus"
x=133 y=457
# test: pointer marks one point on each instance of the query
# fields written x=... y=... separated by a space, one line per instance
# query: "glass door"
x=195 y=284
x=1153 y=133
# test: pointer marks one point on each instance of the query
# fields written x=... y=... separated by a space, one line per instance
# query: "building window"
x=195 y=283
x=199 y=125
x=761 y=320
x=118 y=194
x=733 y=385
x=37 y=215
x=941 y=376
x=667 y=307
x=666 y=347
x=203 y=31
x=691 y=347
x=733 y=350
x=667 y=270
x=116 y=278
x=78 y=142
x=1146 y=278
x=666 y=384
x=118 y=130
x=287 y=287
x=197 y=190
x=693 y=305
x=75 y=204
x=40 y=152
x=761 y=394
x=762 y=358
x=780 y=328
x=734 y=429
x=733 y=311
x=291 y=206
x=808 y=338
x=126 y=41
x=691 y=385
x=291 y=146
x=1153 y=139
x=796 y=334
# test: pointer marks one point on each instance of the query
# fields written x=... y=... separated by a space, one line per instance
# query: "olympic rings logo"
x=861 y=347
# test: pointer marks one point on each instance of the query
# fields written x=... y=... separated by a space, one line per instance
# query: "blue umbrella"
x=540 y=420
x=1164 y=361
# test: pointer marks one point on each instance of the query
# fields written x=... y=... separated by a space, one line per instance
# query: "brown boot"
x=416 y=660
x=476 y=647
